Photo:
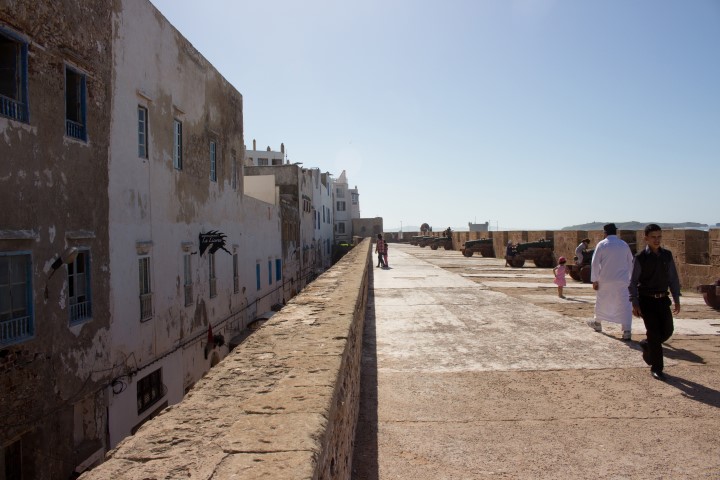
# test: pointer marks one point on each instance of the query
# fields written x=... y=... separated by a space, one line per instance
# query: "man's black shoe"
x=658 y=375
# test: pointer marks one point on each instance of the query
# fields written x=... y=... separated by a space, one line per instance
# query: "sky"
x=529 y=115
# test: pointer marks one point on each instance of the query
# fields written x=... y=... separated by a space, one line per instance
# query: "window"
x=11 y=461
x=75 y=91
x=277 y=161
x=150 y=389
x=354 y=197
x=341 y=227
x=340 y=206
x=257 y=275
x=177 y=144
x=13 y=78
x=236 y=276
x=142 y=132
x=278 y=269
x=16 y=316
x=213 y=280
x=340 y=193
x=262 y=162
x=79 y=288
x=269 y=272
x=213 y=162
x=145 y=289
x=234 y=179
x=187 y=269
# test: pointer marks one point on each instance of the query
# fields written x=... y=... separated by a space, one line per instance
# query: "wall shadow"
x=365 y=452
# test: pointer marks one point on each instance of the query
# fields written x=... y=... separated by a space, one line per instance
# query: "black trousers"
x=381 y=262
x=658 y=320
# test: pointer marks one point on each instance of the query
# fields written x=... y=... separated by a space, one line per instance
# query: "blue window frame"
x=269 y=272
x=79 y=297
x=75 y=113
x=257 y=275
x=177 y=144
x=213 y=161
x=13 y=77
x=278 y=269
x=142 y=132
x=16 y=312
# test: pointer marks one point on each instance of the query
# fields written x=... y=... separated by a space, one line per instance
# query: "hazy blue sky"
x=529 y=114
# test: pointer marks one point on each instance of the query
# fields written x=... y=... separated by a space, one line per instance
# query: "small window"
x=213 y=162
x=150 y=390
x=16 y=315
x=79 y=288
x=278 y=269
x=13 y=78
x=145 y=289
x=213 y=280
x=277 y=161
x=75 y=92
x=262 y=162
x=340 y=193
x=187 y=274
x=236 y=276
x=257 y=275
x=177 y=145
x=355 y=197
x=234 y=178
x=142 y=132
x=341 y=227
x=269 y=272
x=340 y=206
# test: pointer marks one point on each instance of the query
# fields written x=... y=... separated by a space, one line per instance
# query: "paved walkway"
x=463 y=382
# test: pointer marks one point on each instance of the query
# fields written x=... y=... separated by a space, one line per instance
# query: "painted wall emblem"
x=213 y=240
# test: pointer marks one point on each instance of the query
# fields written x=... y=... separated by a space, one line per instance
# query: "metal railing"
x=145 y=306
x=80 y=311
x=13 y=109
x=75 y=129
x=15 y=330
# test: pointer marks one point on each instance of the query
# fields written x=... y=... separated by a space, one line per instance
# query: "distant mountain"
x=636 y=225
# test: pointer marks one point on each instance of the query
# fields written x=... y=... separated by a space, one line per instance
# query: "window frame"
x=143 y=145
x=187 y=279
x=236 y=274
x=145 y=287
x=23 y=325
x=80 y=312
x=177 y=144
x=213 y=161
x=76 y=127
x=150 y=390
x=17 y=108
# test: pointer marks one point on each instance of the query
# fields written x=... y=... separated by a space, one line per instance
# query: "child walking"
x=560 y=271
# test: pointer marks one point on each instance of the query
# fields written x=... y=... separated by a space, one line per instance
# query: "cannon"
x=711 y=294
x=582 y=272
x=424 y=241
x=540 y=252
x=482 y=245
x=445 y=242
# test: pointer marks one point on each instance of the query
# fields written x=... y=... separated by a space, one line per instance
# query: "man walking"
x=653 y=273
x=611 y=269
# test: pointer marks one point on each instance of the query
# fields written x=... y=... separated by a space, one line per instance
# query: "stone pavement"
x=461 y=381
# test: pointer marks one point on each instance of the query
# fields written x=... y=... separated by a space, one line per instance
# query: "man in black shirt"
x=653 y=273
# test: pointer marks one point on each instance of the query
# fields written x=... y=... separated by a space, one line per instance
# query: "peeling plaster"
x=51 y=233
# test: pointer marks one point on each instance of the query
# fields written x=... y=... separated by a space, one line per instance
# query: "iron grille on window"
x=150 y=389
x=16 y=319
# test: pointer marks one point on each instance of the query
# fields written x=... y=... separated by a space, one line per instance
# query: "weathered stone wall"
x=283 y=404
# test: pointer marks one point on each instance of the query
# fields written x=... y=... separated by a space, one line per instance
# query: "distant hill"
x=636 y=225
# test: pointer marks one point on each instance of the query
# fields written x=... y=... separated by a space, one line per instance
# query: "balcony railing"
x=188 y=295
x=236 y=284
x=145 y=306
x=75 y=130
x=80 y=311
x=13 y=109
x=15 y=330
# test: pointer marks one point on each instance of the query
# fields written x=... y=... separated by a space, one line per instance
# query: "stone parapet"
x=283 y=404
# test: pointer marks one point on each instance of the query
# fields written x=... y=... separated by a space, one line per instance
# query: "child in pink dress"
x=560 y=271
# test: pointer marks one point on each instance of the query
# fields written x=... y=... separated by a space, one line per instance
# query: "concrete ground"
x=472 y=370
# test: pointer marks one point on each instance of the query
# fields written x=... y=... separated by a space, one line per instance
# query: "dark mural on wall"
x=213 y=240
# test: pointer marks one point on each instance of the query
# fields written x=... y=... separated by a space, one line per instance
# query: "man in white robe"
x=612 y=265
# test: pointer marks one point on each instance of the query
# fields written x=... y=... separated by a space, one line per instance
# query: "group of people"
x=381 y=248
x=641 y=286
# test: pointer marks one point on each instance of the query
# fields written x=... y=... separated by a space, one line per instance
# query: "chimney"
x=254 y=145
x=282 y=148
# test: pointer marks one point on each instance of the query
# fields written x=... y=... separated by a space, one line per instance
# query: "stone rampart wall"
x=283 y=404
x=696 y=252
